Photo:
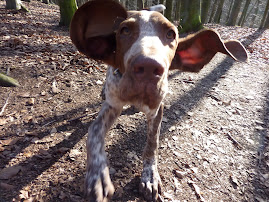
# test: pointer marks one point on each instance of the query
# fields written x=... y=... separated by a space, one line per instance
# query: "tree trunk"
x=13 y=4
x=235 y=12
x=244 y=13
x=191 y=15
x=140 y=4
x=252 y=21
x=213 y=11
x=46 y=1
x=168 y=11
x=177 y=12
x=205 y=8
x=266 y=24
x=229 y=11
x=219 y=12
x=67 y=10
x=265 y=14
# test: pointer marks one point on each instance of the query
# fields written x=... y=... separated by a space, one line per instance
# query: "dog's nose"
x=147 y=68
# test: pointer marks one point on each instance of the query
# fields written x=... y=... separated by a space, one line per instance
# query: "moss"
x=67 y=10
x=191 y=16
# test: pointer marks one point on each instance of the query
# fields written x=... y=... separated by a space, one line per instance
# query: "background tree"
x=46 y=1
x=140 y=4
x=244 y=13
x=253 y=19
x=266 y=12
x=190 y=14
x=230 y=10
x=266 y=24
x=177 y=11
x=67 y=10
x=213 y=10
x=204 y=10
x=168 y=10
x=234 y=13
x=13 y=4
x=218 y=12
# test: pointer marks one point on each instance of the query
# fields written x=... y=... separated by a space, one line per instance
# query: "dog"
x=139 y=47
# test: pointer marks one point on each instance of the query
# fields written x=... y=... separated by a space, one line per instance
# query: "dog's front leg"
x=150 y=180
x=98 y=184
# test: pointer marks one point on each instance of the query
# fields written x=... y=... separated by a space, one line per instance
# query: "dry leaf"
x=6 y=186
x=9 y=141
x=3 y=122
x=9 y=172
x=24 y=194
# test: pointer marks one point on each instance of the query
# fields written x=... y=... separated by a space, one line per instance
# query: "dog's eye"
x=125 y=31
x=171 y=34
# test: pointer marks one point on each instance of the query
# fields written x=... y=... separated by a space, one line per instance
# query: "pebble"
x=112 y=171
x=99 y=82
x=172 y=128
x=31 y=102
x=53 y=130
x=43 y=93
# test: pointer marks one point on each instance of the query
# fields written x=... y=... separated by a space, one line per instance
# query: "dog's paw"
x=150 y=185
x=99 y=187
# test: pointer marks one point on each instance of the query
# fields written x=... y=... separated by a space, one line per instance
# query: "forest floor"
x=214 y=136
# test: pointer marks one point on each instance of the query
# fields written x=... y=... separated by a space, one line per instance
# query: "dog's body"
x=140 y=47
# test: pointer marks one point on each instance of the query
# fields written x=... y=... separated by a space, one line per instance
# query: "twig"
x=234 y=141
x=48 y=123
x=5 y=105
x=197 y=190
x=70 y=120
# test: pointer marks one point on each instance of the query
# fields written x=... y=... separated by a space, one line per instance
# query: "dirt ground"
x=214 y=136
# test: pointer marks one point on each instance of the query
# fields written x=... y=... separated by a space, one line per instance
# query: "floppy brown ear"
x=92 y=29
x=196 y=50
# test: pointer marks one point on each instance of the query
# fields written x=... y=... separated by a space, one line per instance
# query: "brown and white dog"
x=140 y=48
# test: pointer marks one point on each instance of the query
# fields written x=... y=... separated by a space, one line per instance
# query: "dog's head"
x=143 y=45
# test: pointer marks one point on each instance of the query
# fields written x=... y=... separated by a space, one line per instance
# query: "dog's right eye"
x=125 y=31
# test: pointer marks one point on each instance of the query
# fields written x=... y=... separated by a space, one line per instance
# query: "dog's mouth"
x=146 y=91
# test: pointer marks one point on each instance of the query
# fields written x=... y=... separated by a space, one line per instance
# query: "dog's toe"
x=99 y=188
x=150 y=186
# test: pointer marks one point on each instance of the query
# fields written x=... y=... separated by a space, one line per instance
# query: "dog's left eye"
x=171 y=34
x=125 y=31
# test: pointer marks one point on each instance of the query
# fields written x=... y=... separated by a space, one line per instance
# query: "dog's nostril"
x=158 y=71
x=139 y=70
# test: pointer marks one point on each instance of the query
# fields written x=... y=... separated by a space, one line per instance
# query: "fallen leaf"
x=234 y=181
x=54 y=88
x=1 y=148
x=73 y=153
x=6 y=186
x=168 y=195
x=9 y=172
x=3 y=122
x=9 y=142
x=63 y=149
x=25 y=95
x=24 y=194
